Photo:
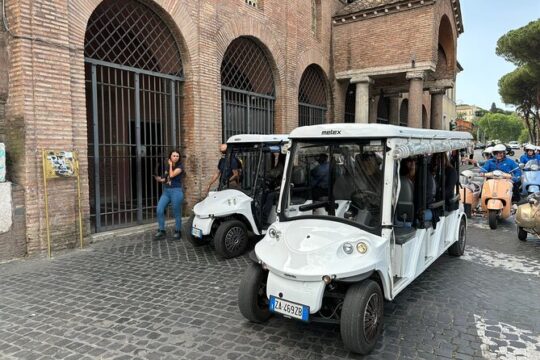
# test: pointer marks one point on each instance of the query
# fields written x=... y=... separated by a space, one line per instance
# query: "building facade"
x=122 y=82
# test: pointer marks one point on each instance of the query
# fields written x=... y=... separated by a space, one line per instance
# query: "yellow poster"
x=60 y=164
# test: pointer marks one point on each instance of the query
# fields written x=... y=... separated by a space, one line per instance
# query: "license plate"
x=196 y=232
x=287 y=308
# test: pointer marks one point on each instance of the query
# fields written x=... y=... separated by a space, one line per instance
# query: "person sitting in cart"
x=226 y=173
x=274 y=176
x=529 y=154
x=506 y=165
x=320 y=176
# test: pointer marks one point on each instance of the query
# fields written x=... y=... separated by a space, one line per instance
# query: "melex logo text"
x=331 y=132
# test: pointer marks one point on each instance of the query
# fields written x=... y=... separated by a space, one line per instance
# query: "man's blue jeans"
x=175 y=196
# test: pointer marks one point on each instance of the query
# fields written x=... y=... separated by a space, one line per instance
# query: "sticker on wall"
x=59 y=164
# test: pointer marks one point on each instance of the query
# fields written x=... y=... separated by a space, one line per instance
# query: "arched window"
x=312 y=97
x=133 y=92
x=247 y=90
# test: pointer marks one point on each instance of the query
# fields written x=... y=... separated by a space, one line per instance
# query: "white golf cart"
x=227 y=215
x=351 y=231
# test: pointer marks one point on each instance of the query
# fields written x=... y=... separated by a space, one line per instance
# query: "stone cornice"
x=395 y=7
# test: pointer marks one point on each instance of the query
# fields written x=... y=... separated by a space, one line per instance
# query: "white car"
x=513 y=145
x=349 y=232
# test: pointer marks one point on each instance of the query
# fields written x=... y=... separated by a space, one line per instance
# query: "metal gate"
x=133 y=92
x=247 y=90
x=312 y=97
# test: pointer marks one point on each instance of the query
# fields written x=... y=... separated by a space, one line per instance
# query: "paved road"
x=136 y=299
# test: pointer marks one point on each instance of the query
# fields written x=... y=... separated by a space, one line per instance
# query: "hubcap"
x=372 y=314
x=234 y=238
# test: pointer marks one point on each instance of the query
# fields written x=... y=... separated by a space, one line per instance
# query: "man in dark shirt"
x=320 y=176
x=226 y=173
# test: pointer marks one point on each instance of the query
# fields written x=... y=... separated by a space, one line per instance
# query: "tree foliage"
x=500 y=126
x=521 y=46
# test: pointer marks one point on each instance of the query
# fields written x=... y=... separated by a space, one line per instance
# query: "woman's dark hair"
x=175 y=151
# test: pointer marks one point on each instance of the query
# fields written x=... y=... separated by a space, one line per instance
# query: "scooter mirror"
x=521 y=165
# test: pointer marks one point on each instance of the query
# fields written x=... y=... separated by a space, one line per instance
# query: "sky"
x=485 y=21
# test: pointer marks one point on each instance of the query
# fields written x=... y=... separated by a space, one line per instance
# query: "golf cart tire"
x=522 y=234
x=225 y=234
x=458 y=248
x=193 y=240
x=252 y=300
x=492 y=219
x=467 y=208
x=353 y=332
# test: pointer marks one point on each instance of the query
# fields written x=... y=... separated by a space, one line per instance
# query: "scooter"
x=469 y=191
x=497 y=197
x=530 y=180
x=528 y=217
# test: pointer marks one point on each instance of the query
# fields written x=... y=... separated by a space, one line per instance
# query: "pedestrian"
x=173 y=193
x=227 y=173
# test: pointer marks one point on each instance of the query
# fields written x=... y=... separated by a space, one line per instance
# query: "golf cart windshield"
x=342 y=181
x=251 y=161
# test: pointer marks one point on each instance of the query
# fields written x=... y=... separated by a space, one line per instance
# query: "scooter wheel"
x=522 y=234
x=492 y=217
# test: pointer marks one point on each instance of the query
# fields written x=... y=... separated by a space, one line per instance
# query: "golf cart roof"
x=256 y=138
x=367 y=131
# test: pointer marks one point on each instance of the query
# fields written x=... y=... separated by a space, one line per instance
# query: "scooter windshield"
x=532 y=165
x=338 y=180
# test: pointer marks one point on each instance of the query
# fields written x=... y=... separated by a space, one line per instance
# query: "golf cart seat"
x=403 y=230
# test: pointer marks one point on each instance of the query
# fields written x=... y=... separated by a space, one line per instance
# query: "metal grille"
x=247 y=90
x=312 y=97
x=128 y=33
x=133 y=94
x=350 y=103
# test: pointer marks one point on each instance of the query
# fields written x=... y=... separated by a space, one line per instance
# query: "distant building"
x=468 y=112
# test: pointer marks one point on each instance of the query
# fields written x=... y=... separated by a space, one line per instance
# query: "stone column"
x=394 y=109
x=416 y=90
x=361 y=114
x=437 y=95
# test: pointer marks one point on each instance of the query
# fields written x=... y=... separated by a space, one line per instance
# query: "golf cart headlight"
x=361 y=247
x=347 y=248
x=273 y=233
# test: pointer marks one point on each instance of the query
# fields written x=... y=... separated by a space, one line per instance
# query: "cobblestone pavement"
x=132 y=298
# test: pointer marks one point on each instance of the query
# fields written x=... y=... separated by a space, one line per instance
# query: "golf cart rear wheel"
x=458 y=248
x=492 y=219
x=252 y=300
x=522 y=234
x=231 y=239
x=192 y=239
x=362 y=317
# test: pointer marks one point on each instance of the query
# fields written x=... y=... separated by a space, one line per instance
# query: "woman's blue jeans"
x=175 y=196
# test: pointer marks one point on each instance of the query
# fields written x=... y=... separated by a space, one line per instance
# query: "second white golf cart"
x=355 y=226
x=227 y=216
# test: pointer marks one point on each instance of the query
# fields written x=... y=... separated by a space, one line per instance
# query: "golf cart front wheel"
x=231 y=239
x=362 y=317
x=252 y=300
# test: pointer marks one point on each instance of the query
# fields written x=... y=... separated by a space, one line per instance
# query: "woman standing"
x=172 y=193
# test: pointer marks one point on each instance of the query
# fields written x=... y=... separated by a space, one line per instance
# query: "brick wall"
x=47 y=107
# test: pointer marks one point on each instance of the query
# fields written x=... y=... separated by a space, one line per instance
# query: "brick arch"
x=174 y=14
x=264 y=36
x=314 y=57
x=445 y=42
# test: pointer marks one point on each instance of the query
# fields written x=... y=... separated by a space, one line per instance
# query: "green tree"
x=520 y=88
x=521 y=46
x=524 y=136
x=500 y=126
x=493 y=108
